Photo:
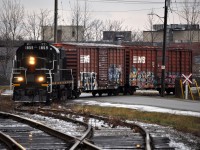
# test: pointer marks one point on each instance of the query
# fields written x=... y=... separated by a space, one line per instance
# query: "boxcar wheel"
x=130 y=91
x=48 y=99
x=93 y=94
x=100 y=94
x=168 y=92
x=109 y=93
x=115 y=92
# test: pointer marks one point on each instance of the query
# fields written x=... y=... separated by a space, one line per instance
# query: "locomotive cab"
x=38 y=74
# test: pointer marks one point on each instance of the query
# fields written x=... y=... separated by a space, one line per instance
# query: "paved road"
x=157 y=101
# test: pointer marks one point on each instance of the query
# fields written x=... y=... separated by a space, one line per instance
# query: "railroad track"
x=21 y=133
x=105 y=135
x=115 y=134
x=112 y=134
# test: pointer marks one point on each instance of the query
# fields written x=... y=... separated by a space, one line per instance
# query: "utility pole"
x=167 y=3
x=77 y=21
x=84 y=26
x=55 y=21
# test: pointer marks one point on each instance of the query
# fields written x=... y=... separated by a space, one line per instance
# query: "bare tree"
x=81 y=21
x=152 y=35
x=11 y=19
x=86 y=22
x=113 y=25
x=45 y=20
x=137 y=35
x=39 y=26
x=31 y=27
x=191 y=15
x=77 y=17
x=96 y=29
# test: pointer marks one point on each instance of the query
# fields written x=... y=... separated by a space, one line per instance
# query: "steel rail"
x=144 y=133
x=77 y=141
x=10 y=142
x=88 y=133
x=40 y=126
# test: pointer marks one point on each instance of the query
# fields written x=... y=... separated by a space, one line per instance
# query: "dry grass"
x=182 y=123
x=4 y=87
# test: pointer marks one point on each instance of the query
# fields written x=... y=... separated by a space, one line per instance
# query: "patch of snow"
x=60 y=125
x=7 y=92
x=141 y=108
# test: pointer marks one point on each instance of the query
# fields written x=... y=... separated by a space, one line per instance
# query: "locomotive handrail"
x=16 y=69
x=50 y=75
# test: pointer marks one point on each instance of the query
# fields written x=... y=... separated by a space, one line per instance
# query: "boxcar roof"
x=94 y=44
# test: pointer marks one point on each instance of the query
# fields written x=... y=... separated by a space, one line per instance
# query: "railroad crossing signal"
x=187 y=78
x=186 y=84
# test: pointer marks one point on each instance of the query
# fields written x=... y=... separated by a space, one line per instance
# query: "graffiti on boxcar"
x=142 y=79
x=88 y=80
x=114 y=74
x=170 y=79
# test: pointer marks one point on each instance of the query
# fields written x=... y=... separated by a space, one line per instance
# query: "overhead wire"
x=125 y=1
x=119 y=10
x=175 y=7
x=134 y=2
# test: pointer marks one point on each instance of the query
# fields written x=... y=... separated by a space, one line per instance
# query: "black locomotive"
x=39 y=74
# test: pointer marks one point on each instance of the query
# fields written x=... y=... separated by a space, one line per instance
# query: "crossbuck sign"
x=186 y=84
x=187 y=78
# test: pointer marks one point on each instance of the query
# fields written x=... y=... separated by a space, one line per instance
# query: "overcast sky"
x=134 y=13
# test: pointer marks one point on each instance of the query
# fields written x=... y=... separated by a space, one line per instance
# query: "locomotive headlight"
x=31 y=60
x=20 y=79
x=40 y=78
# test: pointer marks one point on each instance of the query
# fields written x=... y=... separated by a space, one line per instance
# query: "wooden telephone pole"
x=167 y=3
x=55 y=21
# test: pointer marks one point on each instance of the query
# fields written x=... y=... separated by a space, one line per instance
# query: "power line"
x=96 y=11
x=135 y=2
x=125 y=1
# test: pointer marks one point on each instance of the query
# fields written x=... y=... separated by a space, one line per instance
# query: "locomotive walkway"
x=163 y=103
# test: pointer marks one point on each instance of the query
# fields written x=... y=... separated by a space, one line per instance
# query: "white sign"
x=84 y=58
x=162 y=67
x=139 y=59
x=187 y=78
